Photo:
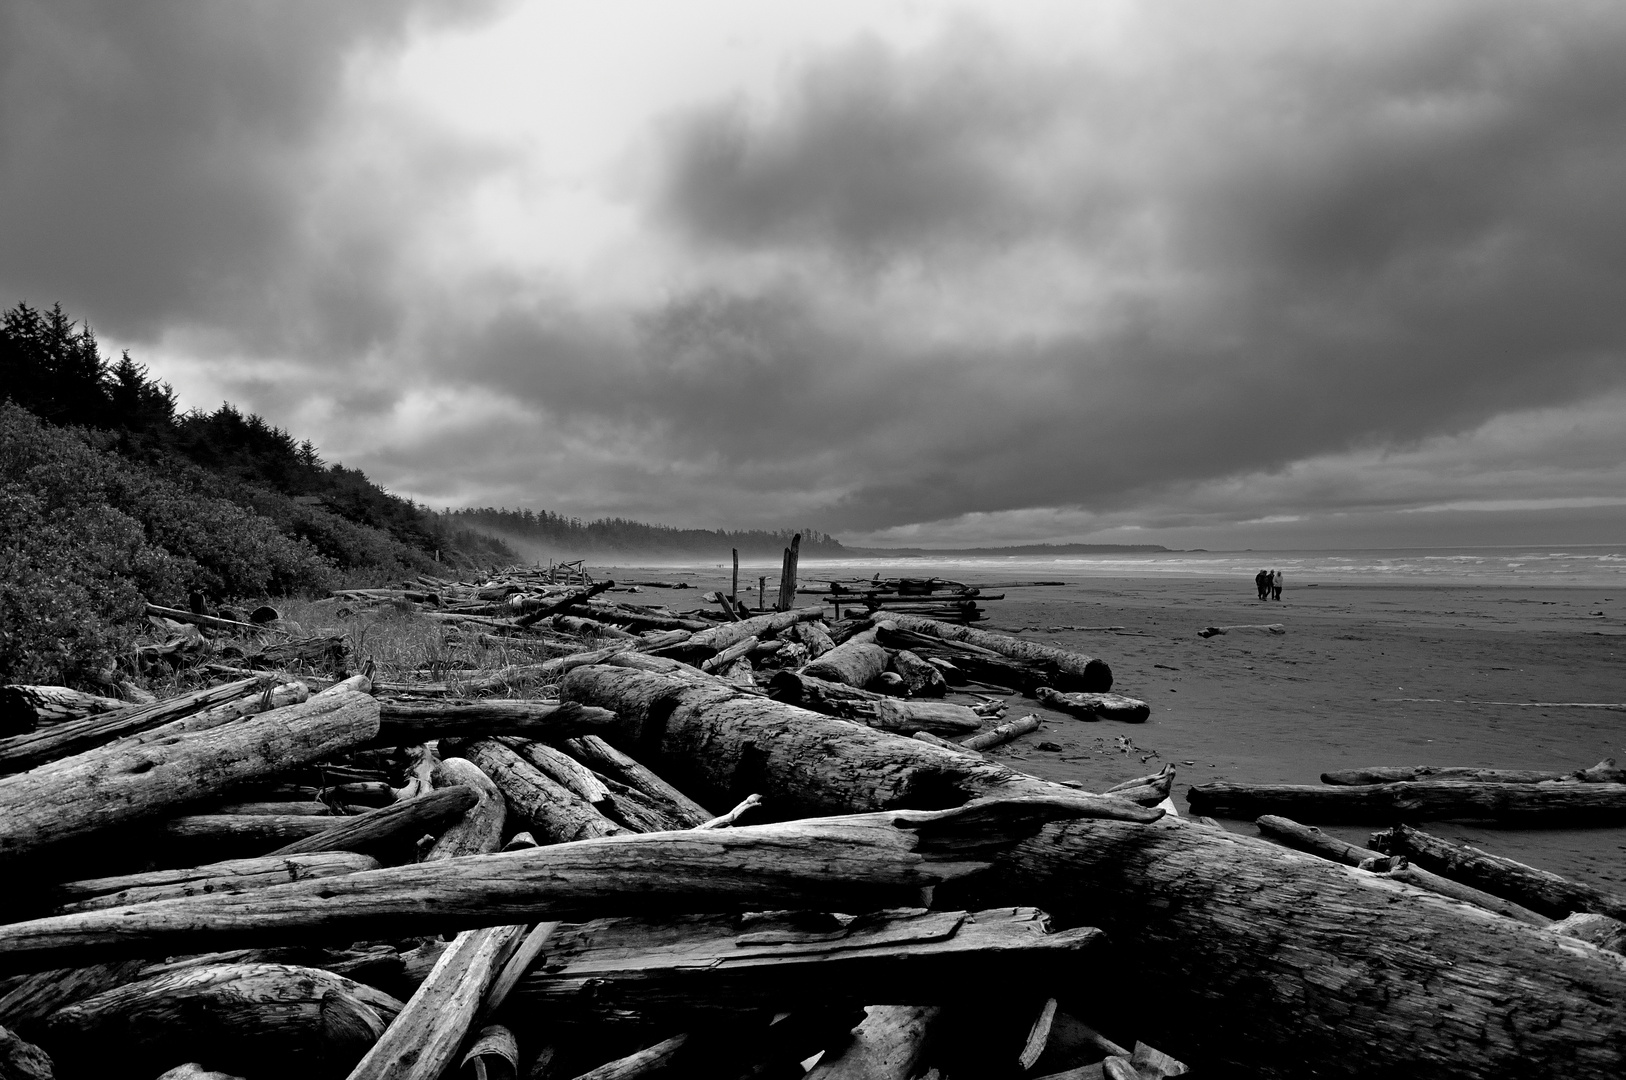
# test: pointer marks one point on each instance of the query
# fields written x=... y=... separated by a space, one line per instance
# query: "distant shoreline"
x=1017 y=549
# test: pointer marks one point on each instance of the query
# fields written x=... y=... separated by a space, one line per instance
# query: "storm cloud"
x=1192 y=268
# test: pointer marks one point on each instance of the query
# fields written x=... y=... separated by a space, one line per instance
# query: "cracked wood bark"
x=1549 y=805
x=1095 y=706
x=712 y=964
x=600 y=756
x=237 y=875
x=1539 y=890
x=855 y=863
x=920 y=679
x=23 y=708
x=22 y=1060
x=718 y=638
x=1270 y=961
x=21 y=752
x=407 y=723
x=102 y=788
x=888 y=1045
x=1075 y=670
x=253 y=1018
x=853 y=663
x=871 y=709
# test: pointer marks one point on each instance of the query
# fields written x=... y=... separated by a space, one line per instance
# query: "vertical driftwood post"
x=762 y=593
x=787 y=575
x=734 y=588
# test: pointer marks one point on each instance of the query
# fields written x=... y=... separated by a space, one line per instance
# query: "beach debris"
x=1095 y=706
x=1604 y=772
x=1260 y=628
x=1572 y=805
x=1004 y=733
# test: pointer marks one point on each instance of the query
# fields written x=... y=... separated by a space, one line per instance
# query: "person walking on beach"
x=1276 y=583
x=1261 y=581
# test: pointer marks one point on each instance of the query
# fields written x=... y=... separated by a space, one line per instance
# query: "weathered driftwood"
x=1245 y=628
x=1539 y=890
x=406 y=819
x=1075 y=671
x=24 y=708
x=920 y=679
x=422 y=1042
x=1095 y=706
x=727 y=657
x=718 y=638
x=193 y=1071
x=480 y=830
x=406 y=723
x=1146 y=790
x=562 y=769
x=272 y=697
x=571 y=599
x=256 y=1018
x=22 y=1060
x=787 y=575
x=814 y=635
x=237 y=875
x=645 y=1062
x=37 y=997
x=719 y=737
x=1267 y=960
x=973 y=662
x=1600 y=930
x=1004 y=733
x=191 y=836
x=20 y=752
x=888 y=1045
x=854 y=863
x=854 y=663
x=1425 y=879
x=642 y=618
x=546 y=807
x=781 y=963
x=1421 y=800
x=99 y=789
x=585 y=627
x=493 y=1055
x=874 y=710
x=1604 y=772
x=545 y=672
x=1311 y=839
x=605 y=759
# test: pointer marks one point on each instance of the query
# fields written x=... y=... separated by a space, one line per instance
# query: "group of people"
x=1270 y=584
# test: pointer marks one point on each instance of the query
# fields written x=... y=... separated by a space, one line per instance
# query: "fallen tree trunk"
x=21 y=752
x=1539 y=890
x=480 y=830
x=410 y=723
x=1075 y=670
x=718 y=638
x=866 y=707
x=601 y=757
x=252 y=1018
x=1265 y=960
x=547 y=808
x=1604 y=772
x=1095 y=706
x=853 y=663
x=857 y=863
x=710 y=964
x=1422 y=800
x=24 y=708
x=237 y=875
x=1004 y=733
x=97 y=790
x=404 y=819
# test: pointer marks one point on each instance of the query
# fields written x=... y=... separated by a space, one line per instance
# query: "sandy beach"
x=1337 y=690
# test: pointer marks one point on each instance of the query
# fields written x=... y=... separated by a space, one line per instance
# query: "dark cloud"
x=160 y=163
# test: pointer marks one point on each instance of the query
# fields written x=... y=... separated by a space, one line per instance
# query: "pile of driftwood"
x=404 y=878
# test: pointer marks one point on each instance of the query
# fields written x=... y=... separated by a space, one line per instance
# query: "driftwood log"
x=547 y=808
x=605 y=759
x=102 y=788
x=1539 y=890
x=261 y=1019
x=407 y=818
x=1604 y=772
x=1421 y=800
x=888 y=1045
x=854 y=863
x=1075 y=671
x=1268 y=961
x=237 y=875
x=900 y=715
x=24 y=708
x=788 y=962
x=408 y=723
x=21 y=752
x=854 y=663
x=480 y=830
x=1095 y=706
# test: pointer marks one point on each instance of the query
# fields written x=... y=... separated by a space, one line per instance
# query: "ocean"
x=1601 y=566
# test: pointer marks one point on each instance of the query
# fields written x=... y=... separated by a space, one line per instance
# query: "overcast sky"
x=1195 y=273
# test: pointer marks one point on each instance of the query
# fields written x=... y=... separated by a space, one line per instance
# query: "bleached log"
x=1004 y=733
x=1372 y=969
x=640 y=1063
x=815 y=635
x=1074 y=671
x=406 y=723
x=94 y=791
x=871 y=709
x=855 y=863
x=1425 y=879
x=242 y=835
x=1146 y=790
x=22 y=1060
x=1311 y=839
x=237 y=875
x=36 y=998
x=920 y=679
x=1540 y=890
x=480 y=830
x=21 y=752
x=24 y=708
x=254 y=1018
x=854 y=663
x=718 y=638
x=721 y=964
x=1552 y=805
x=562 y=769
x=545 y=672
x=1095 y=706
x=547 y=808
x=423 y=813
x=1604 y=772
x=888 y=1045
x=574 y=598
x=727 y=657
x=600 y=756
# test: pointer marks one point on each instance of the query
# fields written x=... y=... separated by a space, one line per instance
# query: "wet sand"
x=1327 y=694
